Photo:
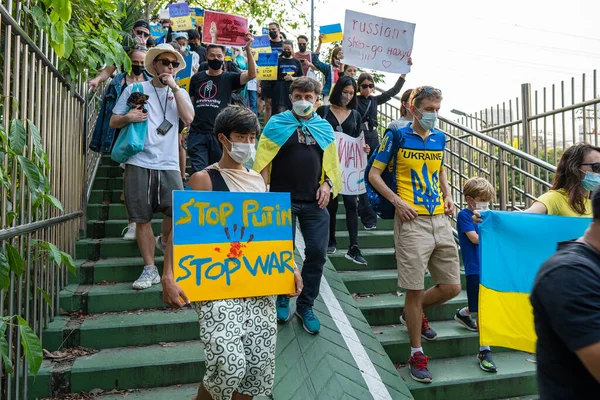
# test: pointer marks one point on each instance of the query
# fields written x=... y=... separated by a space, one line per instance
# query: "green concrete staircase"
x=453 y=362
x=142 y=350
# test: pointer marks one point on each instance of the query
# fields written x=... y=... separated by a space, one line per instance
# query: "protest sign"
x=265 y=30
x=231 y=244
x=266 y=66
x=179 y=10
x=164 y=14
x=381 y=44
x=184 y=76
x=224 y=29
x=157 y=32
x=197 y=16
x=353 y=161
x=331 y=33
x=261 y=41
x=182 y=23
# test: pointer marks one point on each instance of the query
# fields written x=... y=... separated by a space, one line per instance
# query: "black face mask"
x=194 y=46
x=272 y=35
x=286 y=54
x=137 y=70
x=302 y=47
x=215 y=64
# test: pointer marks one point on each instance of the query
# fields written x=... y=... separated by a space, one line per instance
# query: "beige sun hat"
x=158 y=50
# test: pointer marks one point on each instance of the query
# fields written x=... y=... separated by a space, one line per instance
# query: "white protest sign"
x=353 y=161
x=381 y=44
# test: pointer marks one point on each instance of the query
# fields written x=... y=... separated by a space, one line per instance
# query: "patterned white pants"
x=239 y=337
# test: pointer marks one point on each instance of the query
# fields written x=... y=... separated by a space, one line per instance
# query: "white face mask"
x=303 y=108
x=241 y=152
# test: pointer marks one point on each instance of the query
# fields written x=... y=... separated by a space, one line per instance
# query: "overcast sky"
x=480 y=52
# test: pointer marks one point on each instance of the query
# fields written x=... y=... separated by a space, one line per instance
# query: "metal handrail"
x=9 y=233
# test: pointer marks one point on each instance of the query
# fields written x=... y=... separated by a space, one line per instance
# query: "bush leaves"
x=31 y=346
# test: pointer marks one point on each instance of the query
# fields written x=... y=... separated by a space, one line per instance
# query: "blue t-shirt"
x=468 y=249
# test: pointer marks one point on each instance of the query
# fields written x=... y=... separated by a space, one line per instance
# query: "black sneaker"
x=355 y=255
x=427 y=332
x=486 y=362
x=370 y=227
x=417 y=364
x=467 y=321
x=331 y=249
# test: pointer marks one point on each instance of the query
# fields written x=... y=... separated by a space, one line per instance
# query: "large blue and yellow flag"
x=513 y=247
x=331 y=33
x=279 y=129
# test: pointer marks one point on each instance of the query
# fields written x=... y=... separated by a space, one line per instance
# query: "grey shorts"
x=148 y=191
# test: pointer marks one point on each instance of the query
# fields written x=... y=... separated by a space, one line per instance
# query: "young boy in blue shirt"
x=478 y=193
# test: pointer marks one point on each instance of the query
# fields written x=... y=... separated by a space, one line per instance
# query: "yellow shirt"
x=557 y=203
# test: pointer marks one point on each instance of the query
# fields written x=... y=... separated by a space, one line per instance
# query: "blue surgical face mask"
x=591 y=181
x=428 y=120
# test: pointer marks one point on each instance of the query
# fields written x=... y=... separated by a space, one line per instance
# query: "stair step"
x=382 y=258
x=382 y=224
x=126 y=269
x=113 y=183
x=135 y=328
x=105 y=212
x=453 y=341
x=101 y=196
x=379 y=281
x=461 y=378
x=129 y=368
x=95 y=249
x=367 y=239
x=385 y=309
x=114 y=228
x=110 y=298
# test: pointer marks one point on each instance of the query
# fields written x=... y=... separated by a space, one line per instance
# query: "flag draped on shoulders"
x=513 y=247
x=279 y=129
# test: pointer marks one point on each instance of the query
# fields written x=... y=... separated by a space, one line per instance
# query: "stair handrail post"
x=503 y=180
x=527 y=139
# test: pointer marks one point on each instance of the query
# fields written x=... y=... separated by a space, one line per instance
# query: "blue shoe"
x=283 y=309
x=310 y=322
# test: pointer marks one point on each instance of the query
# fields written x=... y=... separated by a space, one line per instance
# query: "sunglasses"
x=142 y=33
x=427 y=90
x=367 y=86
x=595 y=167
x=166 y=62
x=350 y=70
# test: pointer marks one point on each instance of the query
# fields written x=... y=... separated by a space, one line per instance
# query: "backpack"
x=132 y=137
x=380 y=204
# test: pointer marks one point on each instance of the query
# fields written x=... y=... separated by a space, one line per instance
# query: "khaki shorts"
x=425 y=243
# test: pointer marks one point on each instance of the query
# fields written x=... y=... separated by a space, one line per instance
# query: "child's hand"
x=476 y=217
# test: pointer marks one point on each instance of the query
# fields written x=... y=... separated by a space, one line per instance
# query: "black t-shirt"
x=566 y=309
x=289 y=66
x=211 y=95
x=297 y=167
x=276 y=46
x=351 y=126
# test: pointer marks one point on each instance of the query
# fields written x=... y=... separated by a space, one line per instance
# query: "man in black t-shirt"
x=266 y=87
x=210 y=92
x=566 y=308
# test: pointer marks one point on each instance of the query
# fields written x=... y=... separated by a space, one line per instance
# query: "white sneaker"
x=149 y=277
x=129 y=232
x=159 y=243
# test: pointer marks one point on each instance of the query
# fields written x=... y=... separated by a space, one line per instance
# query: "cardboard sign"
x=197 y=16
x=261 y=41
x=182 y=23
x=231 y=244
x=157 y=32
x=164 y=14
x=184 y=77
x=224 y=29
x=331 y=33
x=179 y=10
x=266 y=66
x=381 y=44
x=353 y=161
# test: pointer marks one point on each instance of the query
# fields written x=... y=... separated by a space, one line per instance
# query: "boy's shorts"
x=426 y=242
x=473 y=292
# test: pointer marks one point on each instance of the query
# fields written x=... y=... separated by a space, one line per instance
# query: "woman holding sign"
x=288 y=69
x=343 y=117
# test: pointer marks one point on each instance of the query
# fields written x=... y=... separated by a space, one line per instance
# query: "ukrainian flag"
x=333 y=33
x=513 y=247
x=279 y=129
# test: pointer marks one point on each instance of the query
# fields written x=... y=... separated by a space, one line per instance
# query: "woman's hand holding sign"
x=298 y=281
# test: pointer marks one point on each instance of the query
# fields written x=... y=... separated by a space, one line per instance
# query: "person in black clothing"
x=343 y=117
x=367 y=107
x=266 y=87
x=211 y=91
x=566 y=310
x=194 y=42
x=288 y=69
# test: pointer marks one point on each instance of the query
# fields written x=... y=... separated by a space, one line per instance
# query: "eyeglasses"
x=595 y=167
x=427 y=90
x=367 y=86
x=142 y=33
x=350 y=70
x=166 y=62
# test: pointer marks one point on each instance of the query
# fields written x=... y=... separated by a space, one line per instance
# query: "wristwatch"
x=328 y=181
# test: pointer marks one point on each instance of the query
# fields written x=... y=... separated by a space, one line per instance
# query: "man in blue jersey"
x=422 y=233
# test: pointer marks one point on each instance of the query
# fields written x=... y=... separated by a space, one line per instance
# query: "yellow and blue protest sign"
x=261 y=44
x=266 y=66
x=184 y=77
x=197 y=15
x=513 y=247
x=332 y=33
x=180 y=16
x=232 y=244
x=158 y=33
